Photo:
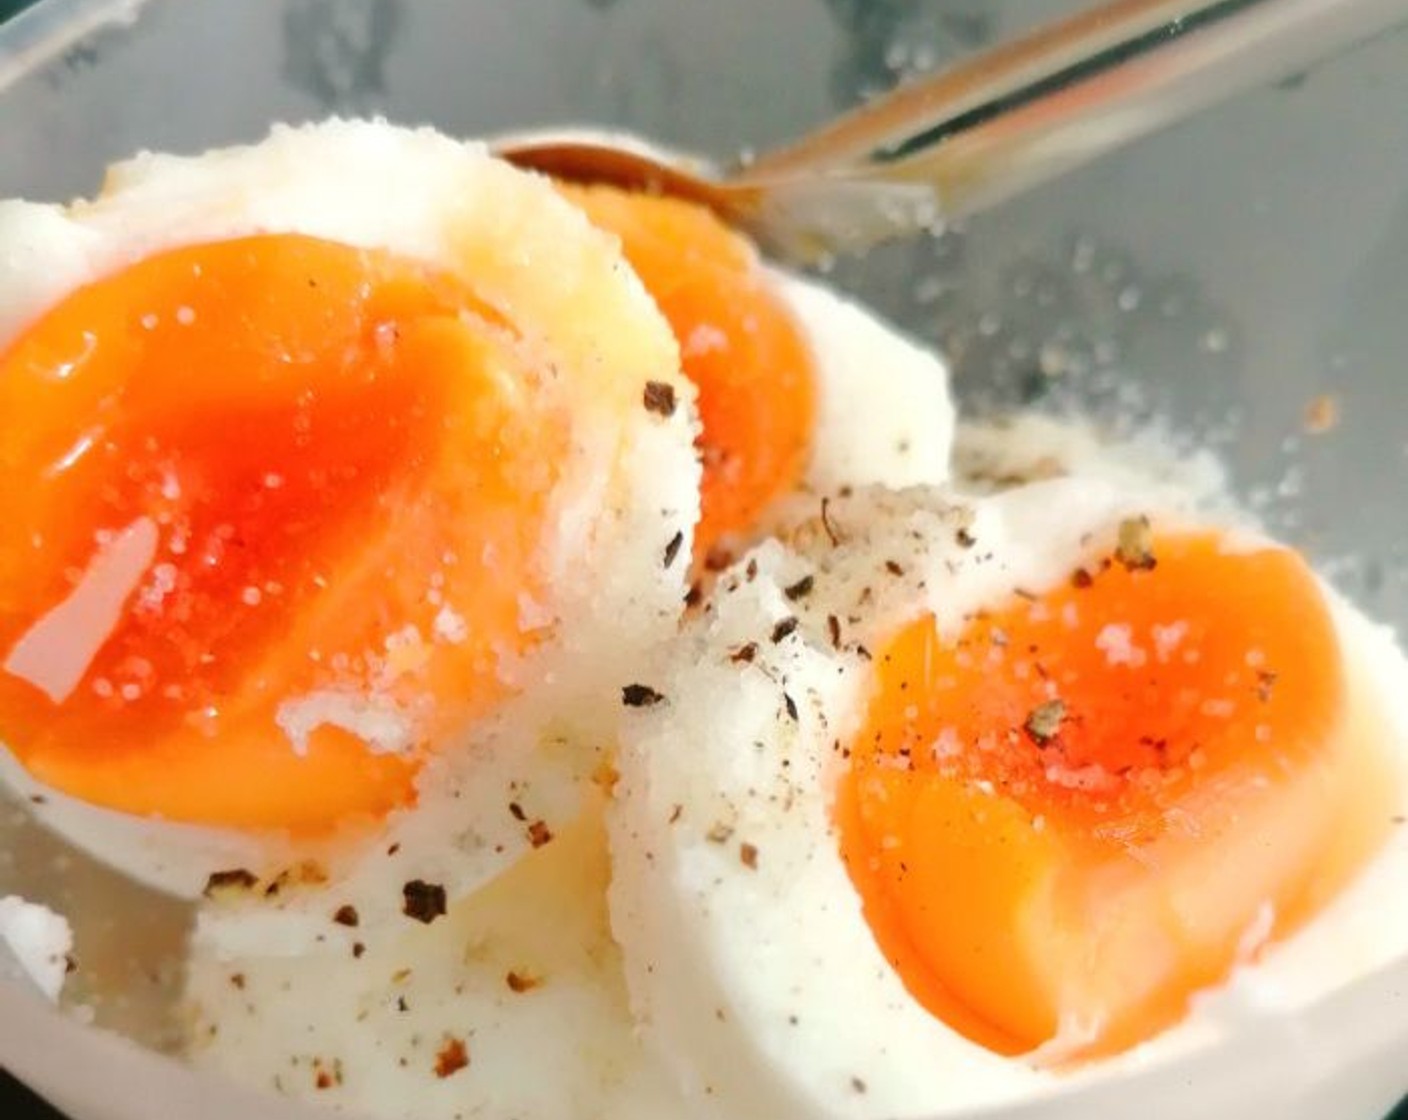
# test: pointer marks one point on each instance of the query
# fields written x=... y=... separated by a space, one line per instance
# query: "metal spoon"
x=1010 y=118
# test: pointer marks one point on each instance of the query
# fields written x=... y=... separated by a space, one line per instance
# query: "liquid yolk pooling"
x=247 y=472
x=1090 y=804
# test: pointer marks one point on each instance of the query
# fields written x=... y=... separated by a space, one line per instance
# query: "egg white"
x=751 y=966
x=884 y=412
x=523 y=972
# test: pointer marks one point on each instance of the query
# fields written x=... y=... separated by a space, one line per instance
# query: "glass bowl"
x=1236 y=276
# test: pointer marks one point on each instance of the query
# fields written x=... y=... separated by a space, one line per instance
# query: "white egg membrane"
x=752 y=969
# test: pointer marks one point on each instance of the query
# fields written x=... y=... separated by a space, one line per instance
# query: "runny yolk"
x=741 y=346
x=271 y=506
x=1089 y=804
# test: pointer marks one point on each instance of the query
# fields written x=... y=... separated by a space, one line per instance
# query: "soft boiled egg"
x=946 y=802
x=798 y=388
x=342 y=471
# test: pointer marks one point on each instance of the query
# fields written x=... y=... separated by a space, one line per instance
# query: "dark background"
x=16 y=1102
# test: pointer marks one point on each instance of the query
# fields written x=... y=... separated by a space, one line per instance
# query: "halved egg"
x=1085 y=804
x=799 y=389
x=321 y=455
x=991 y=791
x=740 y=343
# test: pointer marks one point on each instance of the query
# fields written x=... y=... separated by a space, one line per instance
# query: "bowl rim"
x=52 y=1051
x=47 y=28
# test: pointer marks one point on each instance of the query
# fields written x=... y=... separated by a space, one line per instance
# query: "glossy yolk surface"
x=247 y=473
x=740 y=343
x=1091 y=803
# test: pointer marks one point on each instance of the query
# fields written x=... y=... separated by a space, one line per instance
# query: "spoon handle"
x=1035 y=107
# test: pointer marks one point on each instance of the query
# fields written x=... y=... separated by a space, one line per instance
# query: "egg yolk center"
x=1086 y=805
x=273 y=503
x=740 y=345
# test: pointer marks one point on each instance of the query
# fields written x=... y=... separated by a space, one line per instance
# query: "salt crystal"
x=1116 y=642
x=1168 y=638
x=450 y=626
x=704 y=339
x=382 y=726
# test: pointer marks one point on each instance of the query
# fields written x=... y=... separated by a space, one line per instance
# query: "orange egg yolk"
x=1088 y=804
x=740 y=344
x=246 y=473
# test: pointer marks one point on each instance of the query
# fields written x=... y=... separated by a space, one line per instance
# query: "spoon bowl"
x=803 y=216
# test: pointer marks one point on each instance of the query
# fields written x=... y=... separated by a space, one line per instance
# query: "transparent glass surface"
x=1223 y=274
